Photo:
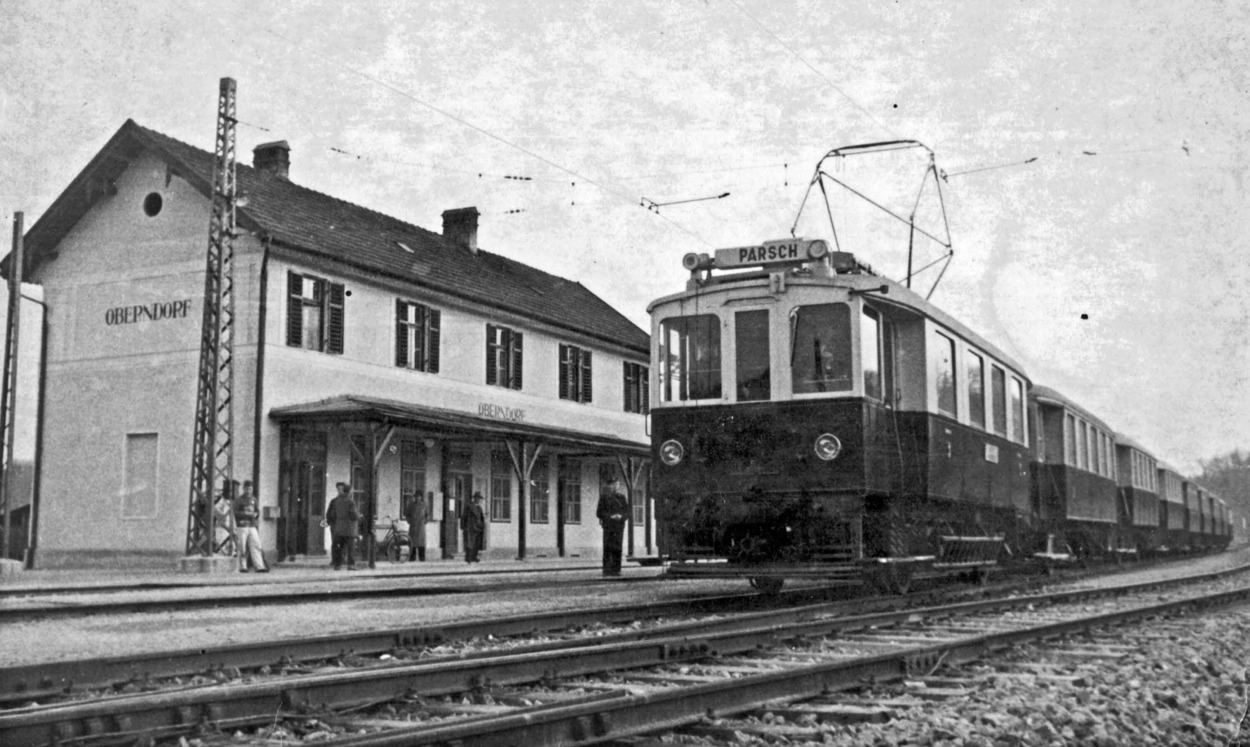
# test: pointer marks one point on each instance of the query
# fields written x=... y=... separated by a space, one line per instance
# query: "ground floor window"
x=540 y=493
x=569 y=488
x=500 y=486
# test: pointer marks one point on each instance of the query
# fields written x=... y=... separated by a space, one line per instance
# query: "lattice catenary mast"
x=212 y=461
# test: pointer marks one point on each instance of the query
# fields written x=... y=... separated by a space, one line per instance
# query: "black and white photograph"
x=677 y=372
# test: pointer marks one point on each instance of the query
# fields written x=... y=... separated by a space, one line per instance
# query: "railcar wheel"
x=767 y=585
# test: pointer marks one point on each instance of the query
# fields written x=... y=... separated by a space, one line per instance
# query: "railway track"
x=568 y=694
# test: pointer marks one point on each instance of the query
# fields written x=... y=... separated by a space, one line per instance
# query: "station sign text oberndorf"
x=772 y=252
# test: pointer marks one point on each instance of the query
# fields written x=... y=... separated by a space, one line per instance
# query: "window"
x=1081 y=454
x=1017 y=411
x=942 y=362
x=314 y=313
x=820 y=348
x=416 y=336
x=500 y=486
x=870 y=352
x=411 y=473
x=503 y=357
x=998 y=399
x=540 y=493
x=976 y=389
x=754 y=371
x=637 y=388
x=690 y=358
x=1069 y=439
x=640 y=503
x=569 y=490
x=139 y=480
x=1095 y=450
x=575 y=373
x=362 y=474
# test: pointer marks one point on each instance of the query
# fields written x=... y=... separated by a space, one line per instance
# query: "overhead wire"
x=463 y=122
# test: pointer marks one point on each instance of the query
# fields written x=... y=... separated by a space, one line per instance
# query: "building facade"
x=366 y=350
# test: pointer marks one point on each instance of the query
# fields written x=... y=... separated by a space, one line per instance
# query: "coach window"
x=751 y=346
x=820 y=348
x=690 y=358
x=942 y=362
x=1017 y=411
x=870 y=352
x=998 y=396
x=976 y=389
x=1069 y=439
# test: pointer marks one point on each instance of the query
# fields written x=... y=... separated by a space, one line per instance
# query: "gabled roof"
x=309 y=222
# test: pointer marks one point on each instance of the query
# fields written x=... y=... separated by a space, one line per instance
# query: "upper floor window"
x=314 y=313
x=575 y=374
x=637 y=388
x=503 y=356
x=820 y=348
x=416 y=336
x=942 y=362
x=976 y=389
x=752 y=354
x=690 y=358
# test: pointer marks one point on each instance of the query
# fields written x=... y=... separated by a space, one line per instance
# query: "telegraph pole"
x=212 y=460
x=8 y=387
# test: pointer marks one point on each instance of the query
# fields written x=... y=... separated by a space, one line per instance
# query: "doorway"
x=459 y=482
x=303 y=493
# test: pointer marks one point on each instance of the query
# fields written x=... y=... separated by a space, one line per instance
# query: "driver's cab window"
x=820 y=348
x=690 y=358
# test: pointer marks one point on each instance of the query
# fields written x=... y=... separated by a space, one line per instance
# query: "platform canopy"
x=346 y=410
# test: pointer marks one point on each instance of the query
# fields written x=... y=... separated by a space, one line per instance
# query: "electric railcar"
x=812 y=419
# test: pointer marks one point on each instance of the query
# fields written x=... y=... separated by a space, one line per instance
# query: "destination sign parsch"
x=772 y=252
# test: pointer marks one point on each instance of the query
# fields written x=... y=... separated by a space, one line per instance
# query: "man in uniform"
x=343 y=517
x=612 y=512
x=474 y=524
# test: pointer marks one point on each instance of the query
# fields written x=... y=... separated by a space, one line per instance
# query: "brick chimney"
x=273 y=158
x=460 y=227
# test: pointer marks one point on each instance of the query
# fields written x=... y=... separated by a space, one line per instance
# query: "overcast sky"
x=1114 y=267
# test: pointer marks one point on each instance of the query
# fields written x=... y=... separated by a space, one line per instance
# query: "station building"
x=367 y=350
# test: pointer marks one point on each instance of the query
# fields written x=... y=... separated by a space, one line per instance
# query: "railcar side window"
x=976 y=389
x=751 y=344
x=870 y=344
x=998 y=383
x=1069 y=438
x=690 y=358
x=1017 y=408
x=943 y=364
x=820 y=348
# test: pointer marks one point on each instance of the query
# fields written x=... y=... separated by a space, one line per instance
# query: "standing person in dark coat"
x=473 y=522
x=612 y=512
x=418 y=514
x=343 y=519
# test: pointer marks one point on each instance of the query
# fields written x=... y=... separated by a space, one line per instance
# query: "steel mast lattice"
x=212 y=461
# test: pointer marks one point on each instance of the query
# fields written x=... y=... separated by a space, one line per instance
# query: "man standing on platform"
x=417 y=515
x=474 y=524
x=247 y=536
x=612 y=511
x=343 y=519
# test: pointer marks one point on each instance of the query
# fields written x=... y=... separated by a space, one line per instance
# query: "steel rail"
x=634 y=715
x=239 y=704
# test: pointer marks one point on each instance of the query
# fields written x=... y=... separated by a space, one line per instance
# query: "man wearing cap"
x=246 y=512
x=612 y=511
x=343 y=517
x=474 y=524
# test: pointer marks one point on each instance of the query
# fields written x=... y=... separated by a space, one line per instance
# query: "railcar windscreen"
x=690 y=358
x=752 y=354
x=820 y=348
x=870 y=343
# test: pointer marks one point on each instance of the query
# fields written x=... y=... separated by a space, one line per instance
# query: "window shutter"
x=492 y=353
x=334 y=333
x=516 y=360
x=431 y=340
x=401 y=333
x=564 y=372
x=294 y=309
x=644 y=389
x=585 y=371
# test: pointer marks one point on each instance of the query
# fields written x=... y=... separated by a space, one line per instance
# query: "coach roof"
x=305 y=221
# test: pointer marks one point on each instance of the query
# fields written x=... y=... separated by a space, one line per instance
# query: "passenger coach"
x=810 y=411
